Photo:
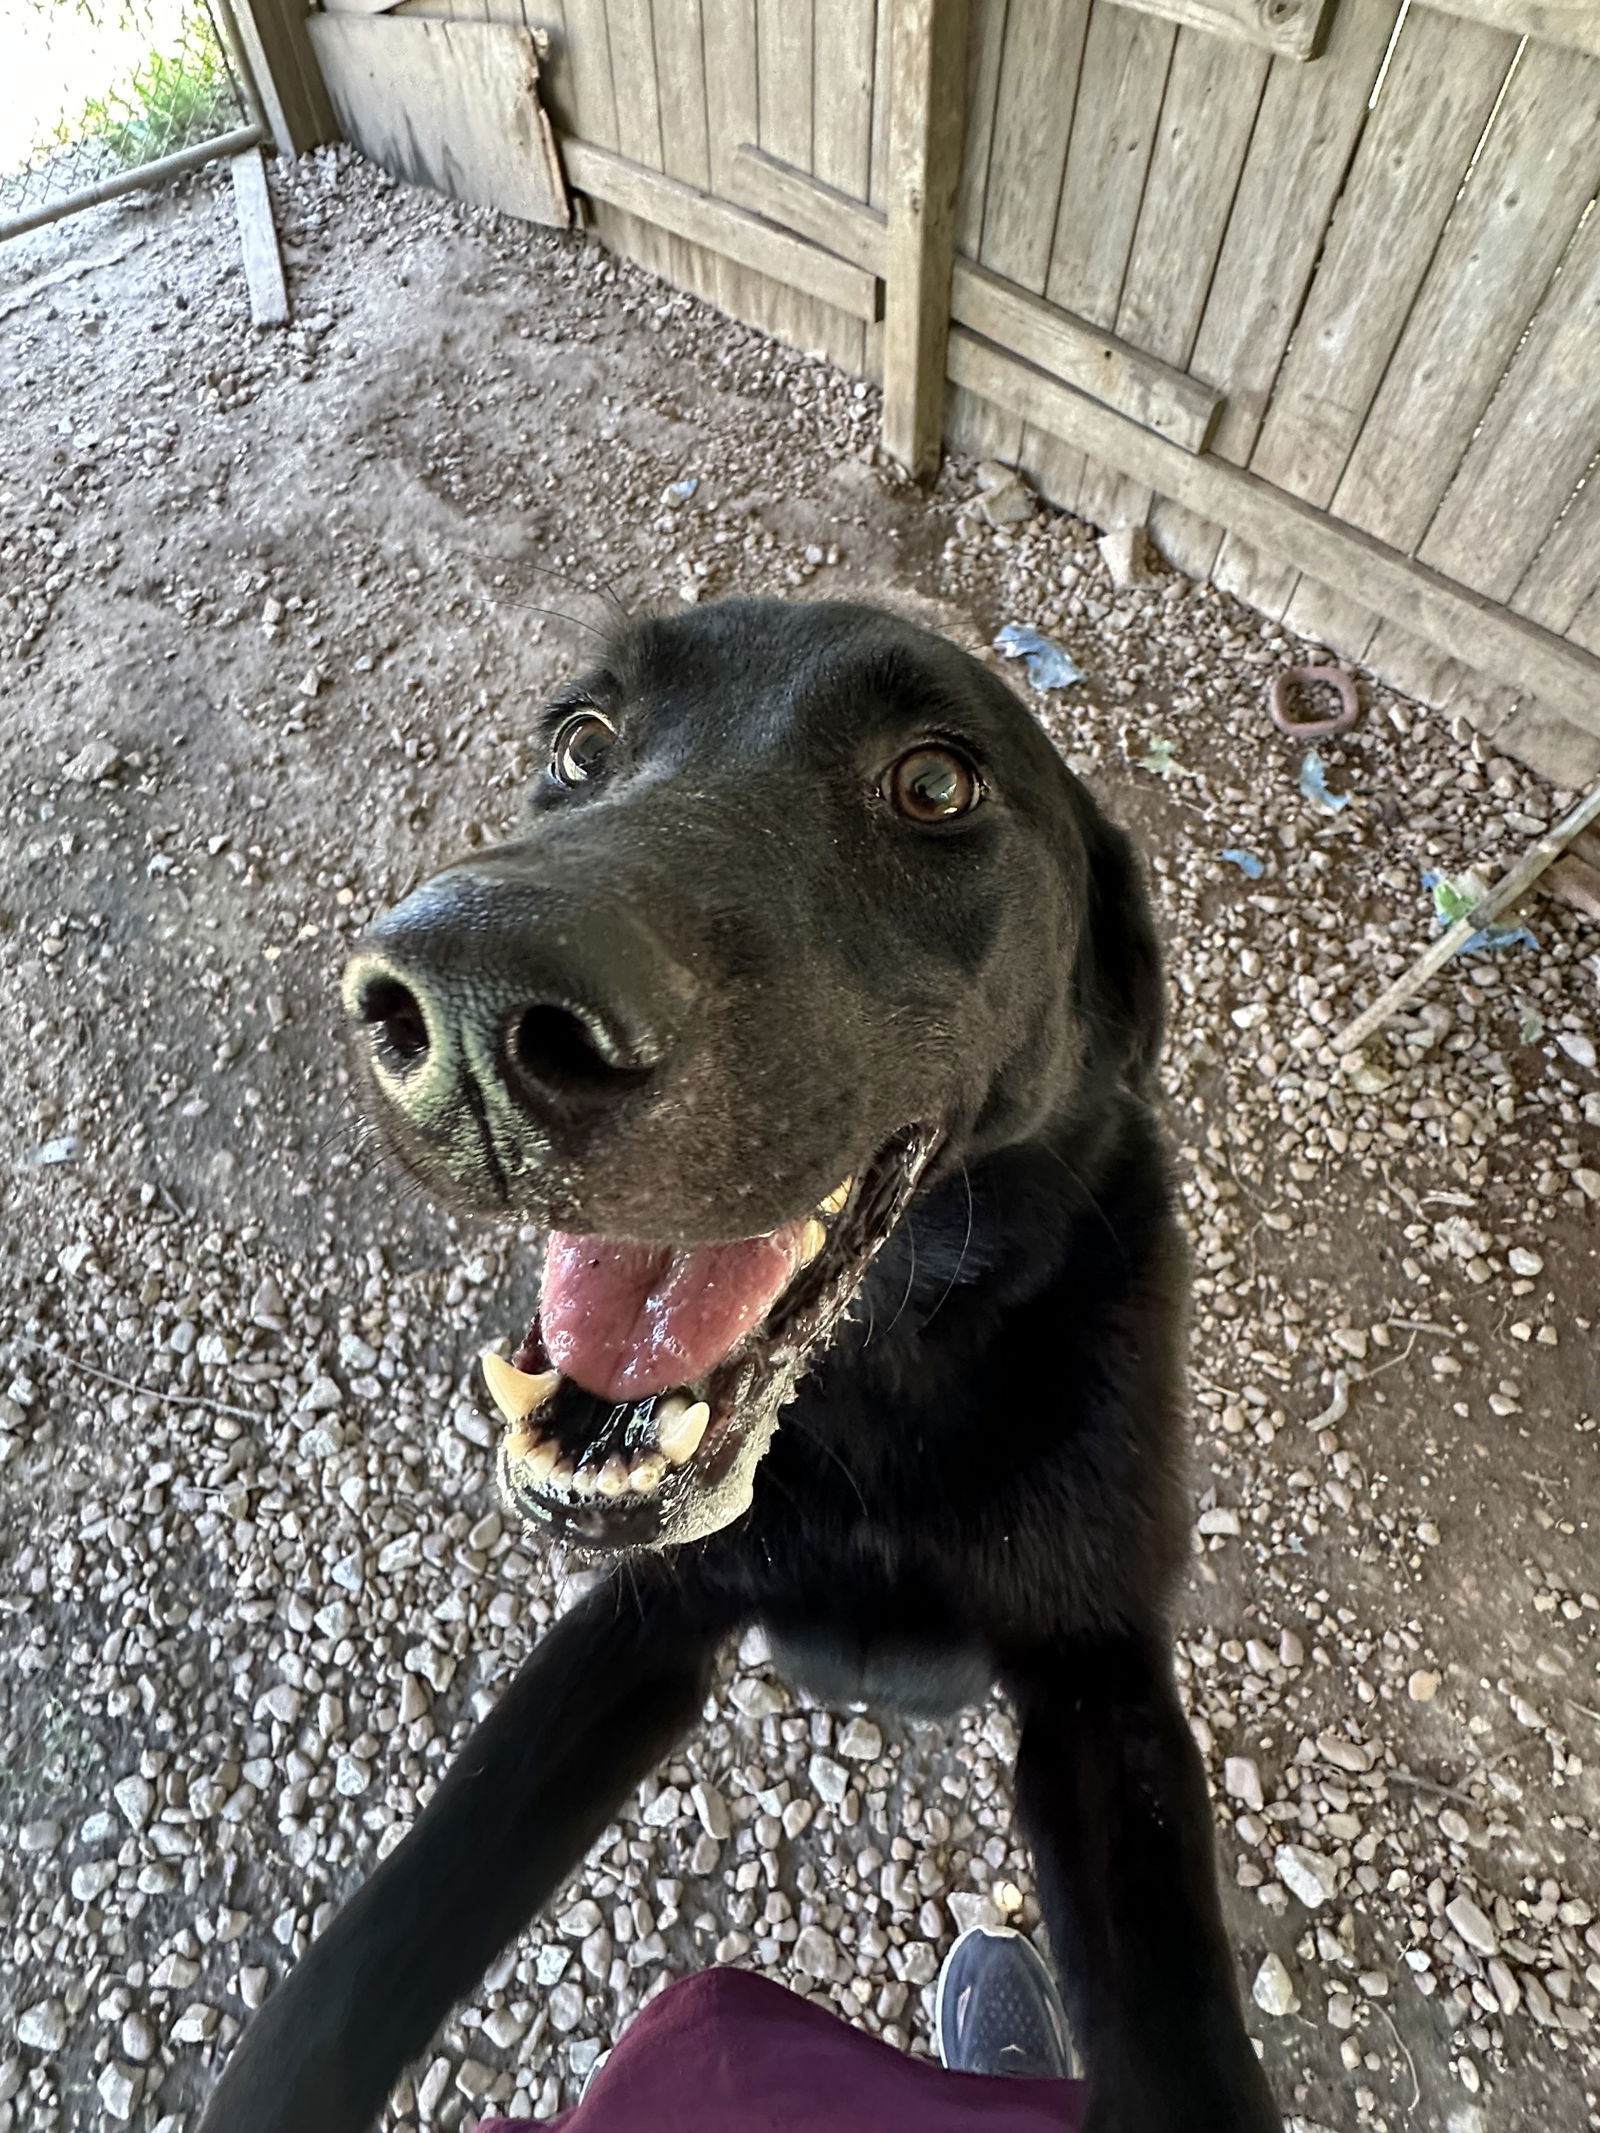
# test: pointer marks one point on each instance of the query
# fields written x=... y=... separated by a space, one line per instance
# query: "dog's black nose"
x=487 y=986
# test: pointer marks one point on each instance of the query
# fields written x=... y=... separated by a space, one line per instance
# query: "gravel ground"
x=272 y=608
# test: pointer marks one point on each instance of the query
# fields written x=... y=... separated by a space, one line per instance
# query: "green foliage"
x=170 y=101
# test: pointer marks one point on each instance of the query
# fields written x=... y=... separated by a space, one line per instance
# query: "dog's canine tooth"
x=812 y=1238
x=561 y=1475
x=834 y=1203
x=681 y=1434
x=614 y=1477
x=646 y=1473
x=515 y=1392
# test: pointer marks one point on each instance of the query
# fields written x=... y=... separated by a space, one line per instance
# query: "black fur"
x=981 y=1478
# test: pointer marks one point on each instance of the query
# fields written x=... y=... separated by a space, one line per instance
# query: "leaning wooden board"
x=452 y=105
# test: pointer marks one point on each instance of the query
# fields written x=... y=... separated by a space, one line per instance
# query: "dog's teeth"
x=586 y=1481
x=812 y=1238
x=646 y=1474
x=614 y=1477
x=514 y=1391
x=519 y=1442
x=681 y=1432
x=535 y=1458
x=834 y=1203
x=560 y=1475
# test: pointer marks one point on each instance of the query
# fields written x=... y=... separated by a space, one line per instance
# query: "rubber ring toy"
x=1314 y=729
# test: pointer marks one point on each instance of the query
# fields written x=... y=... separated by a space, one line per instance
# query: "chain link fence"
x=103 y=95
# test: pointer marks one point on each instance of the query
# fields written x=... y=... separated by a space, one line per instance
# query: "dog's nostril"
x=393 y=1014
x=557 y=1049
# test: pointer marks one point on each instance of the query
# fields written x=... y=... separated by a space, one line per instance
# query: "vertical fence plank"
x=731 y=39
x=975 y=425
x=925 y=138
x=841 y=126
x=1305 y=134
x=882 y=62
x=1213 y=92
x=1535 y=441
x=681 y=79
x=1121 y=84
x=728 y=28
x=986 y=35
x=1443 y=78
x=732 y=98
x=1126 y=58
x=1033 y=117
x=844 y=34
x=1562 y=577
x=555 y=69
x=588 y=69
x=685 y=147
x=784 y=36
x=1585 y=629
x=1504 y=239
x=633 y=74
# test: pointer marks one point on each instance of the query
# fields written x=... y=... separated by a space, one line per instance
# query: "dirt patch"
x=274 y=610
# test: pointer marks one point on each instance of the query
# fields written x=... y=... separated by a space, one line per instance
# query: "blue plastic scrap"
x=1314 y=784
x=1454 y=900
x=1247 y=862
x=1049 y=667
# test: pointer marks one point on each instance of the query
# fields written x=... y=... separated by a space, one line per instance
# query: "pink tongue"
x=631 y=1319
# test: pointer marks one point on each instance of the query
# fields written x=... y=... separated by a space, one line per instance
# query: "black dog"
x=814 y=1017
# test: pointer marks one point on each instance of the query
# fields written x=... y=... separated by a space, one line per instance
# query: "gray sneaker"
x=998 y=2010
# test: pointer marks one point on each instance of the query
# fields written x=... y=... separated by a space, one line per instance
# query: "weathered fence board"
x=1157 y=394
x=1306 y=129
x=845 y=55
x=1515 y=218
x=1033 y=115
x=925 y=152
x=655 y=198
x=1565 y=575
x=1575 y=23
x=1441 y=86
x=1213 y=92
x=633 y=77
x=785 y=78
x=452 y=105
x=1487 y=634
x=681 y=91
x=1331 y=328
x=1536 y=440
x=1293 y=27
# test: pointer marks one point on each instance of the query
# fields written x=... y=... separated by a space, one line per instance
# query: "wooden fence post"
x=927 y=86
x=288 y=81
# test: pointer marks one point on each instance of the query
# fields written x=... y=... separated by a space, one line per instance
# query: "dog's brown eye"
x=580 y=748
x=933 y=785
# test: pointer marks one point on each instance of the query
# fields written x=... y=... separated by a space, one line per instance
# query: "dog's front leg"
x=598 y=1703
x=1112 y=1796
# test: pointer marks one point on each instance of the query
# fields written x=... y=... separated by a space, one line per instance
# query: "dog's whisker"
x=961 y=1257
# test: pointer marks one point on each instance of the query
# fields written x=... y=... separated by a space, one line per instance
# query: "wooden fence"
x=1311 y=288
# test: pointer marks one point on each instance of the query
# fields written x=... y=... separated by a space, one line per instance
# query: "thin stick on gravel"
x=1426 y=1784
x=1505 y=892
x=1405 y=2053
x=147 y=1392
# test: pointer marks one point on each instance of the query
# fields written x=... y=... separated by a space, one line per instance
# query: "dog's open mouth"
x=651 y=1381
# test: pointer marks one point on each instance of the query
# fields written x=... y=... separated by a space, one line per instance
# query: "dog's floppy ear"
x=1119 y=962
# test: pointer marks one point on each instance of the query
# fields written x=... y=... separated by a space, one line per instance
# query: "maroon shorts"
x=726 y=2051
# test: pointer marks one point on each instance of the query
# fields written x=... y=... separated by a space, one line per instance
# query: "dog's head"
x=807 y=911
